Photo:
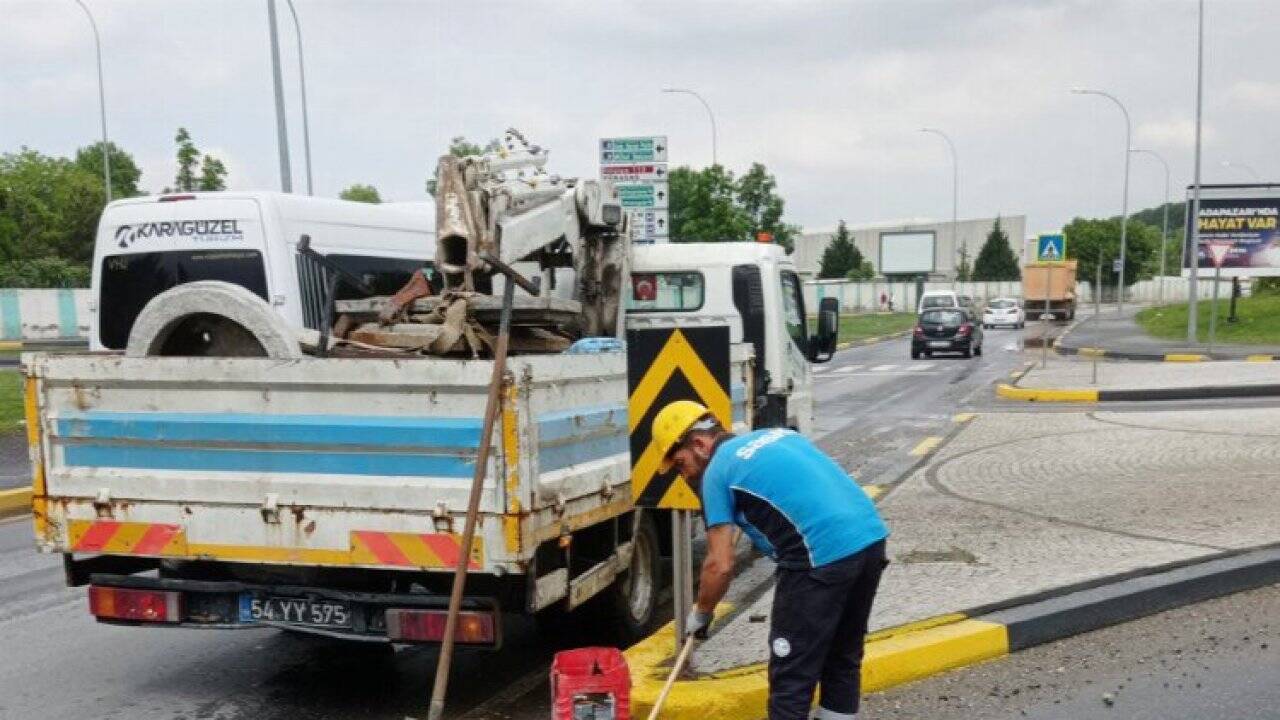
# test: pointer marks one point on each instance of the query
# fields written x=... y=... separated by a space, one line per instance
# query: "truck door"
x=796 y=382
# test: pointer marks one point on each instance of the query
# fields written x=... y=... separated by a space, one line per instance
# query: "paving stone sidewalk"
x=1020 y=503
x=1077 y=373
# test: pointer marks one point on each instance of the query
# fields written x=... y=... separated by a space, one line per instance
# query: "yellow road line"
x=1046 y=394
x=964 y=417
x=926 y=445
x=1184 y=357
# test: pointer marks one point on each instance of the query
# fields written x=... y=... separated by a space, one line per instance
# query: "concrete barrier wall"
x=57 y=314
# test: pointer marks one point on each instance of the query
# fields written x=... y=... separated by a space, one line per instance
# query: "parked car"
x=1004 y=311
x=946 y=330
x=939 y=299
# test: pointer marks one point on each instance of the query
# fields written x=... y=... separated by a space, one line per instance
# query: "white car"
x=1003 y=311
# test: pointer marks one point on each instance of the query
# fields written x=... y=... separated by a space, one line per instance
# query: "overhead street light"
x=102 y=102
x=302 y=78
x=710 y=115
x=955 y=191
x=1164 y=237
x=282 y=130
x=1124 y=204
x=1241 y=166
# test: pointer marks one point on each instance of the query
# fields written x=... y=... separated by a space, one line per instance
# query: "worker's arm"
x=717 y=568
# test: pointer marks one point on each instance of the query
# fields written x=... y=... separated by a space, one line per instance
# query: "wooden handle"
x=671 y=679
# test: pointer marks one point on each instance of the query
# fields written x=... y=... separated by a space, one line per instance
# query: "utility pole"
x=955 y=192
x=1124 y=203
x=1193 y=220
x=282 y=131
x=1164 y=237
x=102 y=103
x=710 y=116
x=302 y=79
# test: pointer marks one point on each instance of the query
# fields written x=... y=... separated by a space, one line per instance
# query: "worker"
x=800 y=508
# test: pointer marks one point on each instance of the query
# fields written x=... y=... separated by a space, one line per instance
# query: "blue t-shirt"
x=794 y=502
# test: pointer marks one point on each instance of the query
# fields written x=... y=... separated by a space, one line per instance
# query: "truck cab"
x=751 y=287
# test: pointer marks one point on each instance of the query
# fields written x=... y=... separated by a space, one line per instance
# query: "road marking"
x=926 y=446
x=922 y=366
x=964 y=417
x=847 y=368
x=882 y=368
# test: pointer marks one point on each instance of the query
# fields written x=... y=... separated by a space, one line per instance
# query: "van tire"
x=211 y=318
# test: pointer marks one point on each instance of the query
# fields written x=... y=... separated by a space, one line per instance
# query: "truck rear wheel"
x=633 y=597
x=210 y=318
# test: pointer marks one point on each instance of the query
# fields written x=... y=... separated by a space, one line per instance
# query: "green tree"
x=49 y=207
x=361 y=193
x=864 y=271
x=47 y=272
x=840 y=257
x=996 y=260
x=964 y=268
x=703 y=206
x=1091 y=241
x=459 y=146
x=188 y=158
x=757 y=196
x=124 y=171
x=213 y=175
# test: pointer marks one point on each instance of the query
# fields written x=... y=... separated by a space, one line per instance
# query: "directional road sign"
x=634 y=172
x=616 y=151
x=644 y=195
x=1116 y=266
x=1051 y=247
x=650 y=225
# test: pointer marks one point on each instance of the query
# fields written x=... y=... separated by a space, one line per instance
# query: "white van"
x=147 y=245
x=935 y=299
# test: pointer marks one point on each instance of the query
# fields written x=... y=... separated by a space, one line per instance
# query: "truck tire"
x=210 y=318
x=633 y=597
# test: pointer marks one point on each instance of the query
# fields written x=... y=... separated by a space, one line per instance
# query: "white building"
x=912 y=248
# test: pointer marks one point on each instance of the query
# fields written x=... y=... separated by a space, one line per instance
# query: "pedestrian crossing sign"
x=1051 y=248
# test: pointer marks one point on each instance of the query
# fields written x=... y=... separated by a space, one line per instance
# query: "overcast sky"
x=829 y=95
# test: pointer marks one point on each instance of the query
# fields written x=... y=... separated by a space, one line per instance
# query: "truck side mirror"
x=822 y=346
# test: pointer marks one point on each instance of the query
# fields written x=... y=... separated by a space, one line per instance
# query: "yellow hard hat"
x=671 y=424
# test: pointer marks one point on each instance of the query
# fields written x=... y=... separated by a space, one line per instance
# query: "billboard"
x=903 y=253
x=1243 y=222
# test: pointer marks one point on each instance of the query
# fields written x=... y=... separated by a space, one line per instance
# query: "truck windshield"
x=666 y=292
x=130 y=281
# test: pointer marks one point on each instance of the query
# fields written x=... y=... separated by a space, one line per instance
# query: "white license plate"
x=298 y=611
x=940 y=344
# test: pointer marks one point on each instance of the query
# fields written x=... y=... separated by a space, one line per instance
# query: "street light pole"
x=282 y=131
x=302 y=77
x=1124 y=204
x=710 y=115
x=1241 y=166
x=1164 y=237
x=102 y=103
x=955 y=191
x=1193 y=233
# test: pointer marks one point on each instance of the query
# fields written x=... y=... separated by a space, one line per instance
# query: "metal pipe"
x=302 y=78
x=1164 y=236
x=710 y=115
x=1124 y=203
x=1193 y=233
x=282 y=130
x=955 y=192
x=102 y=103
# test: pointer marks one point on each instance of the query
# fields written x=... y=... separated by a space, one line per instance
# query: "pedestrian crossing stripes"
x=916 y=368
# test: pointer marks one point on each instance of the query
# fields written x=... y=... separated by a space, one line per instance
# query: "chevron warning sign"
x=664 y=365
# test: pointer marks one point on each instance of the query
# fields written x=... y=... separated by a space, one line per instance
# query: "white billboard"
x=906 y=253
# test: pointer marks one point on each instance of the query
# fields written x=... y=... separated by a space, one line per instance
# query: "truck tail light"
x=110 y=603
x=965 y=329
x=474 y=628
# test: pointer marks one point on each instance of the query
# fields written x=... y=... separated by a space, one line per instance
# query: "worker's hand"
x=697 y=623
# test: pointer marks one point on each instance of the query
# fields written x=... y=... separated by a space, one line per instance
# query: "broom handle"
x=671 y=679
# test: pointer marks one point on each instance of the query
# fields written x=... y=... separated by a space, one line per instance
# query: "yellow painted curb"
x=1260 y=358
x=1010 y=392
x=1185 y=358
x=15 y=502
x=10 y=345
x=926 y=446
x=893 y=657
x=872 y=491
x=964 y=417
x=1092 y=352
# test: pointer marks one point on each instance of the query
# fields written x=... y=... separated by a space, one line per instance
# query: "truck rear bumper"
x=414 y=618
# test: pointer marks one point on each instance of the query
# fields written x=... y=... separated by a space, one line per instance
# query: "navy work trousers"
x=818 y=631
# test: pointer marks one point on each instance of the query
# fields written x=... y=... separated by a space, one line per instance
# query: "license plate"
x=298 y=611
x=939 y=344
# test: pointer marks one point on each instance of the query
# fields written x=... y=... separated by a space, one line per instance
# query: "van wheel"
x=633 y=597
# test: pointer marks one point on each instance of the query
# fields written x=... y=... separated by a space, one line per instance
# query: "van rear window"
x=130 y=281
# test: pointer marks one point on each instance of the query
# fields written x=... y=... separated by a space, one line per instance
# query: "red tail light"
x=965 y=329
x=137 y=605
x=474 y=628
x=918 y=332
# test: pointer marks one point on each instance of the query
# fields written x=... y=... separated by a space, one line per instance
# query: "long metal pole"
x=710 y=115
x=1124 y=202
x=302 y=79
x=1193 y=232
x=102 y=103
x=1213 y=312
x=282 y=130
x=955 y=192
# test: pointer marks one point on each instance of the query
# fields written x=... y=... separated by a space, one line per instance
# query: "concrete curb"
x=922 y=649
x=1203 y=392
x=15 y=502
x=872 y=340
x=1160 y=357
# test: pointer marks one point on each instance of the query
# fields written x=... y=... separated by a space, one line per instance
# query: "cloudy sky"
x=829 y=95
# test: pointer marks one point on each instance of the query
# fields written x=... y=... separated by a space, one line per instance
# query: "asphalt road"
x=872 y=402
x=1218 y=660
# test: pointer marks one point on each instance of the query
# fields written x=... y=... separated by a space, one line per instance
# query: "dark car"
x=946 y=330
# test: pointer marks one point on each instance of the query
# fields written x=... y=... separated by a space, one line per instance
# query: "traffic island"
x=1083 y=381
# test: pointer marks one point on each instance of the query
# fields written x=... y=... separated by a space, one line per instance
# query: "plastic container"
x=590 y=684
